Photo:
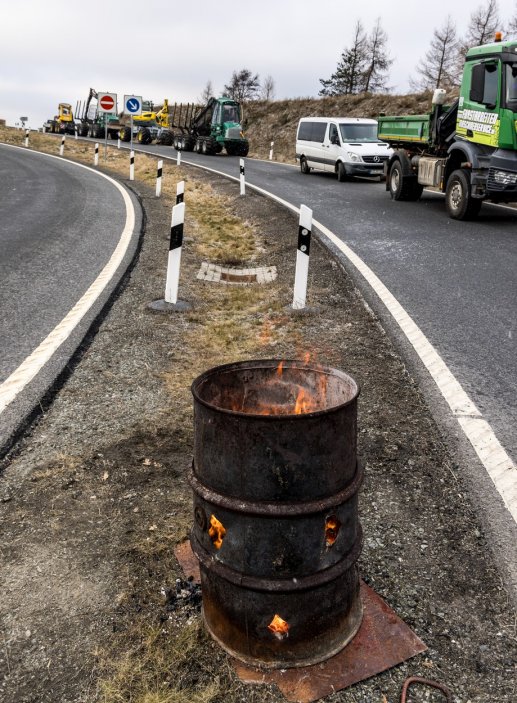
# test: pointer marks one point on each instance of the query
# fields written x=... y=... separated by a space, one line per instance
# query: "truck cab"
x=468 y=150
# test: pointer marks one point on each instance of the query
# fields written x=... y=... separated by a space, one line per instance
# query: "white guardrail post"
x=242 y=172
x=159 y=173
x=271 y=151
x=176 y=242
x=96 y=156
x=62 y=147
x=302 y=258
x=132 y=166
x=26 y=137
x=180 y=192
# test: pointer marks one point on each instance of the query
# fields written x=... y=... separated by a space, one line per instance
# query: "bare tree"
x=243 y=86
x=484 y=22
x=348 y=76
x=439 y=66
x=268 y=88
x=512 y=25
x=377 y=60
x=206 y=94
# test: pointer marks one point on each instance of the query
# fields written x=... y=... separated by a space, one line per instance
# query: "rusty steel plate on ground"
x=383 y=641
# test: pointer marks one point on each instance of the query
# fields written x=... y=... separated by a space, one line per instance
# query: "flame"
x=280 y=368
x=332 y=526
x=307 y=357
x=279 y=627
x=305 y=403
x=216 y=532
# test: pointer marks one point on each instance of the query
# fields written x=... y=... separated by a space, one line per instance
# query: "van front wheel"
x=304 y=166
x=341 y=172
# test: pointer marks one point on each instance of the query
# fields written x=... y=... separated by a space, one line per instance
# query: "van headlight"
x=353 y=157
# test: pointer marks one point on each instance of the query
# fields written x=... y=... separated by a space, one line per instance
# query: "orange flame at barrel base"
x=279 y=627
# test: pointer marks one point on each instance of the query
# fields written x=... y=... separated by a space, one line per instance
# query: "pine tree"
x=438 y=67
x=347 y=78
x=377 y=60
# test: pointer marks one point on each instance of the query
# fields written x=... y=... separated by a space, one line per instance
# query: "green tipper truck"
x=468 y=149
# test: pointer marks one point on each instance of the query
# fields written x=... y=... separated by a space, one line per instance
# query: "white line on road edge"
x=28 y=369
x=478 y=431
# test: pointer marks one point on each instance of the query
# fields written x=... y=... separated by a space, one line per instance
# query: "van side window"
x=312 y=131
x=333 y=134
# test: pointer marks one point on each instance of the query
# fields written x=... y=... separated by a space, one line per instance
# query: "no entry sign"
x=107 y=102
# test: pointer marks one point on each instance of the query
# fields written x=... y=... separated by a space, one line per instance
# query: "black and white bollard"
x=62 y=147
x=176 y=242
x=170 y=303
x=132 y=166
x=96 y=157
x=159 y=173
x=242 y=177
x=302 y=258
x=178 y=158
x=180 y=192
x=271 y=151
x=76 y=132
x=118 y=143
x=26 y=137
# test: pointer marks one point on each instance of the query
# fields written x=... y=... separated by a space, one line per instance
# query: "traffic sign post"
x=133 y=106
x=106 y=102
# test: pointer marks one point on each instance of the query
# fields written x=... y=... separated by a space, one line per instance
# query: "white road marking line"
x=28 y=369
x=478 y=431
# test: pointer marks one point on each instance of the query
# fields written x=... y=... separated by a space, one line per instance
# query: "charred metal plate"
x=188 y=561
x=382 y=642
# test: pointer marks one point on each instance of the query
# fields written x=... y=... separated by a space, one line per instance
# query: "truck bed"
x=400 y=129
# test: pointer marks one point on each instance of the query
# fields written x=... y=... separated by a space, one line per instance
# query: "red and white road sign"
x=107 y=102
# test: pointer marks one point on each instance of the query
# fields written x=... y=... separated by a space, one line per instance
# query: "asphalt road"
x=456 y=279
x=60 y=225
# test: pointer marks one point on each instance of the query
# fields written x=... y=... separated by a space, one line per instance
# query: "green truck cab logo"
x=488 y=96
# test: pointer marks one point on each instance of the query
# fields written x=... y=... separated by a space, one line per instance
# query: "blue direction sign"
x=133 y=104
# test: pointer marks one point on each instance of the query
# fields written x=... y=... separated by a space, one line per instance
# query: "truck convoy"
x=468 y=149
x=209 y=130
x=63 y=122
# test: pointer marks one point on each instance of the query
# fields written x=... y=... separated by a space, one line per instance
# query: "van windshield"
x=359 y=132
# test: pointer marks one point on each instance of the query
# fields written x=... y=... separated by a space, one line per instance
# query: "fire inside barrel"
x=275 y=460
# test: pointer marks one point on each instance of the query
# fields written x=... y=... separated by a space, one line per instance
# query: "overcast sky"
x=54 y=51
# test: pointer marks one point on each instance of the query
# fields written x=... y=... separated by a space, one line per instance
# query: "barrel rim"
x=282 y=585
x=273 y=363
x=278 y=508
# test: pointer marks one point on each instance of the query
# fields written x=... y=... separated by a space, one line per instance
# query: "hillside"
x=277 y=120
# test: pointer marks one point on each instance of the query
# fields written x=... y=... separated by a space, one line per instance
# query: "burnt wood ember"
x=275 y=479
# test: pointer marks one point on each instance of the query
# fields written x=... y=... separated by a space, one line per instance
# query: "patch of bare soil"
x=94 y=606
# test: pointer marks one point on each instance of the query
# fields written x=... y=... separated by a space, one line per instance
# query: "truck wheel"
x=144 y=136
x=244 y=150
x=304 y=166
x=230 y=149
x=167 y=138
x=401 y=186
x=341 y=172
x=459 y=202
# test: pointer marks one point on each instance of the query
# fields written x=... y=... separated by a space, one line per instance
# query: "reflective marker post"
x=302 y=258
x=242 y=177
x=159 y=173
x=62 y=147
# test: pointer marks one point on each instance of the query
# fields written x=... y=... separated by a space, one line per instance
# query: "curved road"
x=60 y=226
x=456 y=279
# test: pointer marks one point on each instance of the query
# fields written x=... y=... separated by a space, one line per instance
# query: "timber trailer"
x=210 y=129
x=467 y=150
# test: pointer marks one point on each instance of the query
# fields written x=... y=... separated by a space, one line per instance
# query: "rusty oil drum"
x=276 y=529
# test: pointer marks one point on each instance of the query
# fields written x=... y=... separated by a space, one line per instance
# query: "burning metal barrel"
x=275 y=479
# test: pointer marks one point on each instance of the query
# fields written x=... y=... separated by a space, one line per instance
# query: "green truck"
x=210 y=129
x=467 y=150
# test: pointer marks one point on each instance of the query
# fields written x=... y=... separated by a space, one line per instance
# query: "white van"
x=346 y=146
